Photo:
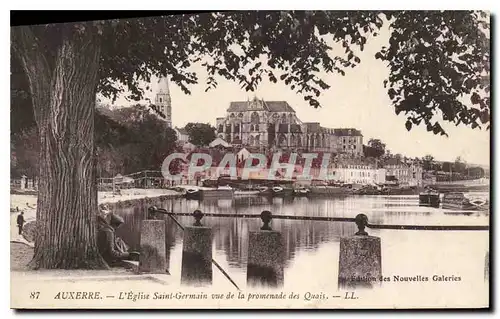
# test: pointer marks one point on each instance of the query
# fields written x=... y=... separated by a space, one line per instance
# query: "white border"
x=181 y=5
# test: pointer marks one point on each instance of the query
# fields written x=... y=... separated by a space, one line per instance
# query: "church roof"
x=347 y=132
x=219 y=141
x=270 y=106
x=279 y=106
x=313 y=127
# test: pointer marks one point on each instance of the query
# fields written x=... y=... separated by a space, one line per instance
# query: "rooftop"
x=260 y=104
x=347 y=132
x=181 y=130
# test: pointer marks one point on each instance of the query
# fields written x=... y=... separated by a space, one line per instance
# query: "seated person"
x=112 y=248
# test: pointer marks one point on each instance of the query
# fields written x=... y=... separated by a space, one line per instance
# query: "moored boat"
x=246 y=193
x=479 y=203
x=277 y=191
x=301 y=191
x=429 y=198
x=371 y=190
x=281 y=191
x=264 y=191
x=194 y=193
x=331 y=191
x=458 y=201
x=219 y=192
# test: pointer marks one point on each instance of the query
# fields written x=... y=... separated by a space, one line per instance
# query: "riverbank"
x=128 y=197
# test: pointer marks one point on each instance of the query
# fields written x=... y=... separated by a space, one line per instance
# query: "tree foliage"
x=26 y=145
x=375 y=148
x=139 y=141
x=428 y=163
x=125 y=143
x=200 y=134
x=437 y=59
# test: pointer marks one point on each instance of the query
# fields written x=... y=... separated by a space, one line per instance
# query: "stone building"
x=260 y=124
x=358 y=174
x=348 y=140
x=406 y=174
x=182 y=134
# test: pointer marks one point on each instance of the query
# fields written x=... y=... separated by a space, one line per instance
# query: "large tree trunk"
x=63 y=90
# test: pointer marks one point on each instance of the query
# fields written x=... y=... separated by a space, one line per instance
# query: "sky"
x=357 y=100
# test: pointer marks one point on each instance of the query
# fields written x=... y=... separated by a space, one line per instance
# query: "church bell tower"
x=162 y=100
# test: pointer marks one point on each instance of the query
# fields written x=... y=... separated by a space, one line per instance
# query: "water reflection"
x=303 y=241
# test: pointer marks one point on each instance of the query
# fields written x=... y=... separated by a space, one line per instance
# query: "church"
x=260 y=124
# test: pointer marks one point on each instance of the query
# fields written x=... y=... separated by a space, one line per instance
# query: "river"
x=312 y=247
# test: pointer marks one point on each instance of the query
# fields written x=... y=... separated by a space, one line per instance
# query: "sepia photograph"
x=250 y=160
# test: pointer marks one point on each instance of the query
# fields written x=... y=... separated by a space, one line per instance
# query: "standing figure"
x=20 y=222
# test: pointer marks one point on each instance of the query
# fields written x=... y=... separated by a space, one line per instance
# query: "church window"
x=283 y=118
x=254 y=118
x=282 y=140
x=161 y=100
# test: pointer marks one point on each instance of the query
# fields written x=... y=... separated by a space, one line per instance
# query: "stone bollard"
x=197 y=253
x=265 y=256
x=487 y=266
x=360 y=258
x=152 y=257
x=151 y=215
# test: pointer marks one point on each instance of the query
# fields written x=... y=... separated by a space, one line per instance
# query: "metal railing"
x=361 y=220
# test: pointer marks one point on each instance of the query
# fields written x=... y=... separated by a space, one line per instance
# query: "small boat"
x=193 y=193
x=264 y=191
x=246 y=193
x=429 y=198
x=457 y=200
x=219 y=192
x=281 y=191
x=370 y=190
x=479 y=203
x=302 y=191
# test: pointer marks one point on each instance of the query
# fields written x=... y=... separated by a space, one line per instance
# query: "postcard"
x=251 y=160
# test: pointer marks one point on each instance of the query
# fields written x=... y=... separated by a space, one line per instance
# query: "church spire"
x=163 y=86
x=163 y=99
